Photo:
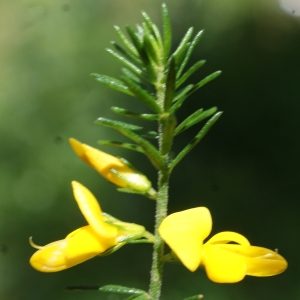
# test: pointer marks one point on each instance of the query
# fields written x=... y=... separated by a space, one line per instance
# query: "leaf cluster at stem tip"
x=155 y=76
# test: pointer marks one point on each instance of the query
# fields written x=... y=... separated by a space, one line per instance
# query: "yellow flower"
x=114 y=169
x=185 y=232
x=88 y=241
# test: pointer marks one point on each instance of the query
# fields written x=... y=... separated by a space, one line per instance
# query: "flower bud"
x=114 y=169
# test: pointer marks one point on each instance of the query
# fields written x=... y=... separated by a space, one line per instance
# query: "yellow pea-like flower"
x=88 y=241
x=185 y=232
x=114 y=169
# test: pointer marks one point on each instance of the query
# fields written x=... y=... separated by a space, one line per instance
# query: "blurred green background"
x=246 y=170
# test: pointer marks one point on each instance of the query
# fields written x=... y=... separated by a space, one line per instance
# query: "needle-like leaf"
x=190 y=51
x=195 y=140
x=150 y=151
x=142 y=94
x=112 y=83
x=125 y=112
x=125 y=41
x=189 y=72
x=121 y=145
x=194 y=118
x=167 y=31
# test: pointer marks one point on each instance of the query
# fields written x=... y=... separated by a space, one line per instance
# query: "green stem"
x=161 y=202
x=158 y=249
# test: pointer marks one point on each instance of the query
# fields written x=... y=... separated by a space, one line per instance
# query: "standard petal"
x=184 y=232
x=259 y=261
x=227 y=237
x=223 y=266
x=91 y=210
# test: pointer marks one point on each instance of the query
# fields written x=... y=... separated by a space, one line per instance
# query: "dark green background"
x=246 y=170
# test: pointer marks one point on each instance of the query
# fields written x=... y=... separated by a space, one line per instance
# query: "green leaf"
x=189 y=52
x=196 y=139
x=151 y=46
x=139 y=52
x=194 y=118
x=206 y=80
x=183 y=92
x=150 y=151
x=183 y=47
x=170 y=85
x=112 y=83
x=142 y=94
x=140 y=32
x=167 y=31
x=183 y=124
x=120 y=124
x=121 y=145
x=189 y=72
x=125 y=112
x=128 y=55
x=118 y=289
x=126 y=62
x=131 y=75
x=180 y=101
x=196 y=297
x=137 y=42
x=152 y=28
x=125 y=41
x=181 y=55
x=137 y=129
x=111 y=288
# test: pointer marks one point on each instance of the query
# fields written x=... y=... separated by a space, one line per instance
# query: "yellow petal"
x=226 y=237
x=104 y=162
x=100 y=161
x=80 y=245
x=84 y=243
x=223 y=266
x=123 y=176
x=79 y=150
x=259 y=261
x=184 y=232
x=50 y=258
x=91 y=210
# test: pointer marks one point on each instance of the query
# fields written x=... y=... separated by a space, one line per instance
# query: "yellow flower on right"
x=224 y=262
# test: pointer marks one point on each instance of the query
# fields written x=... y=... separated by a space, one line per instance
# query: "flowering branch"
x=145 y=53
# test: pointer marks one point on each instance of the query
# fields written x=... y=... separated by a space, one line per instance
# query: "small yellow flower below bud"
x=104 y=235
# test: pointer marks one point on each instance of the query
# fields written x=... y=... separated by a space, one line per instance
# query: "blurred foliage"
x=246 y=170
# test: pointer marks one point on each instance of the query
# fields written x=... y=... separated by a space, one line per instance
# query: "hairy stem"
x=158 y=248
x=161 y=203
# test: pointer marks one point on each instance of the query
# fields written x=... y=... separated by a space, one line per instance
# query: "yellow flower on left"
x=81 y=244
